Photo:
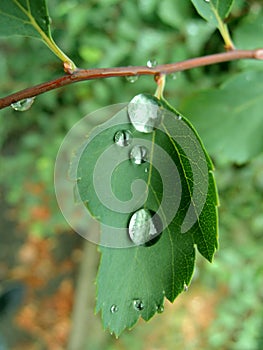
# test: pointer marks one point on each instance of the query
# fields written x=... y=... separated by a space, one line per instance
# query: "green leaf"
x=30 y=18
x=229 y=119
x=248 y=36
x=214 y=11
x=176 y=182
x=174 y=13
x=24 y=17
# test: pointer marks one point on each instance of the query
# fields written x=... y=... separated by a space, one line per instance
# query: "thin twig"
x=99 y=73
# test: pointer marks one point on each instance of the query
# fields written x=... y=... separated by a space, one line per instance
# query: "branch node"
x=259 y=54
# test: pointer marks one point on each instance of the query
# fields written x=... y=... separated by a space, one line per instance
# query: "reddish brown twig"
x=99 y=73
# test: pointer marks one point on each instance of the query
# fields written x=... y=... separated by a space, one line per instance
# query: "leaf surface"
x=229 y=119
x=214 y=10
x=24 y=17
x=178 y=185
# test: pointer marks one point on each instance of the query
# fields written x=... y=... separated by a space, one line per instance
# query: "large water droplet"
x=152 y=63
x=132 y=78
x=139 y=154
x=23 y=105
x=145 y=112
x=123 y=138
x=114 y=308
x=138 y=305
x=144 y=226
x=159 y=308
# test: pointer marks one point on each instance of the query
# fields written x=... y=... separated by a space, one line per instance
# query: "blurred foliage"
x=116 y=33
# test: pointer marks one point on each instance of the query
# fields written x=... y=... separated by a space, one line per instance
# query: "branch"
x=99 y=73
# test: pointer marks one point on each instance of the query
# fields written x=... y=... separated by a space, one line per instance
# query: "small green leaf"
x=30 y=18
x=170 y=176
x=229 y=119
x=213 y=11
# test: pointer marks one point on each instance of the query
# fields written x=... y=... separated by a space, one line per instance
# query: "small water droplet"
x=139 y=154
x=152 y=63
x=23 y=105
x=47 y=20
x=132 y=78
x=138 y=305
x=143 y=226
x=145 y=112
x=114 y=308
x=123 y=138
x=179 y=117
x=207 y=0
x=146 y=170
x=185 y=287
x=174 y=76
x=159 y=308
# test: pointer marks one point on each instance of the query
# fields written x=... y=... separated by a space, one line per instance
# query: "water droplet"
x=174 y=76
x=185 y=287
x=47 y=20
x=146 y=170
x=23 y=105
x=139 y=154
x=145 y=112
x=207 y=0
x=132 y=78
x=179 y=117
x=123 y=138
x=151 y=63
x=159 y=308
x=114 y=308
x=144 y=226
x=138 y=305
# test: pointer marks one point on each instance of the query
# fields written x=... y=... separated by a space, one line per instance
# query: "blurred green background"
x=43 y=267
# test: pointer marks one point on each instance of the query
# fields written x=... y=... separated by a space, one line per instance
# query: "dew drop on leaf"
x=144 y=226
x=151 y=63
x=47 y=20
x=145 y=112
x=185 y=287
x=114 y=308
x=23 y=105
x=138 y=154
x=159 y=309
x=132 y=78
x=123 y=138
x=138 y=305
